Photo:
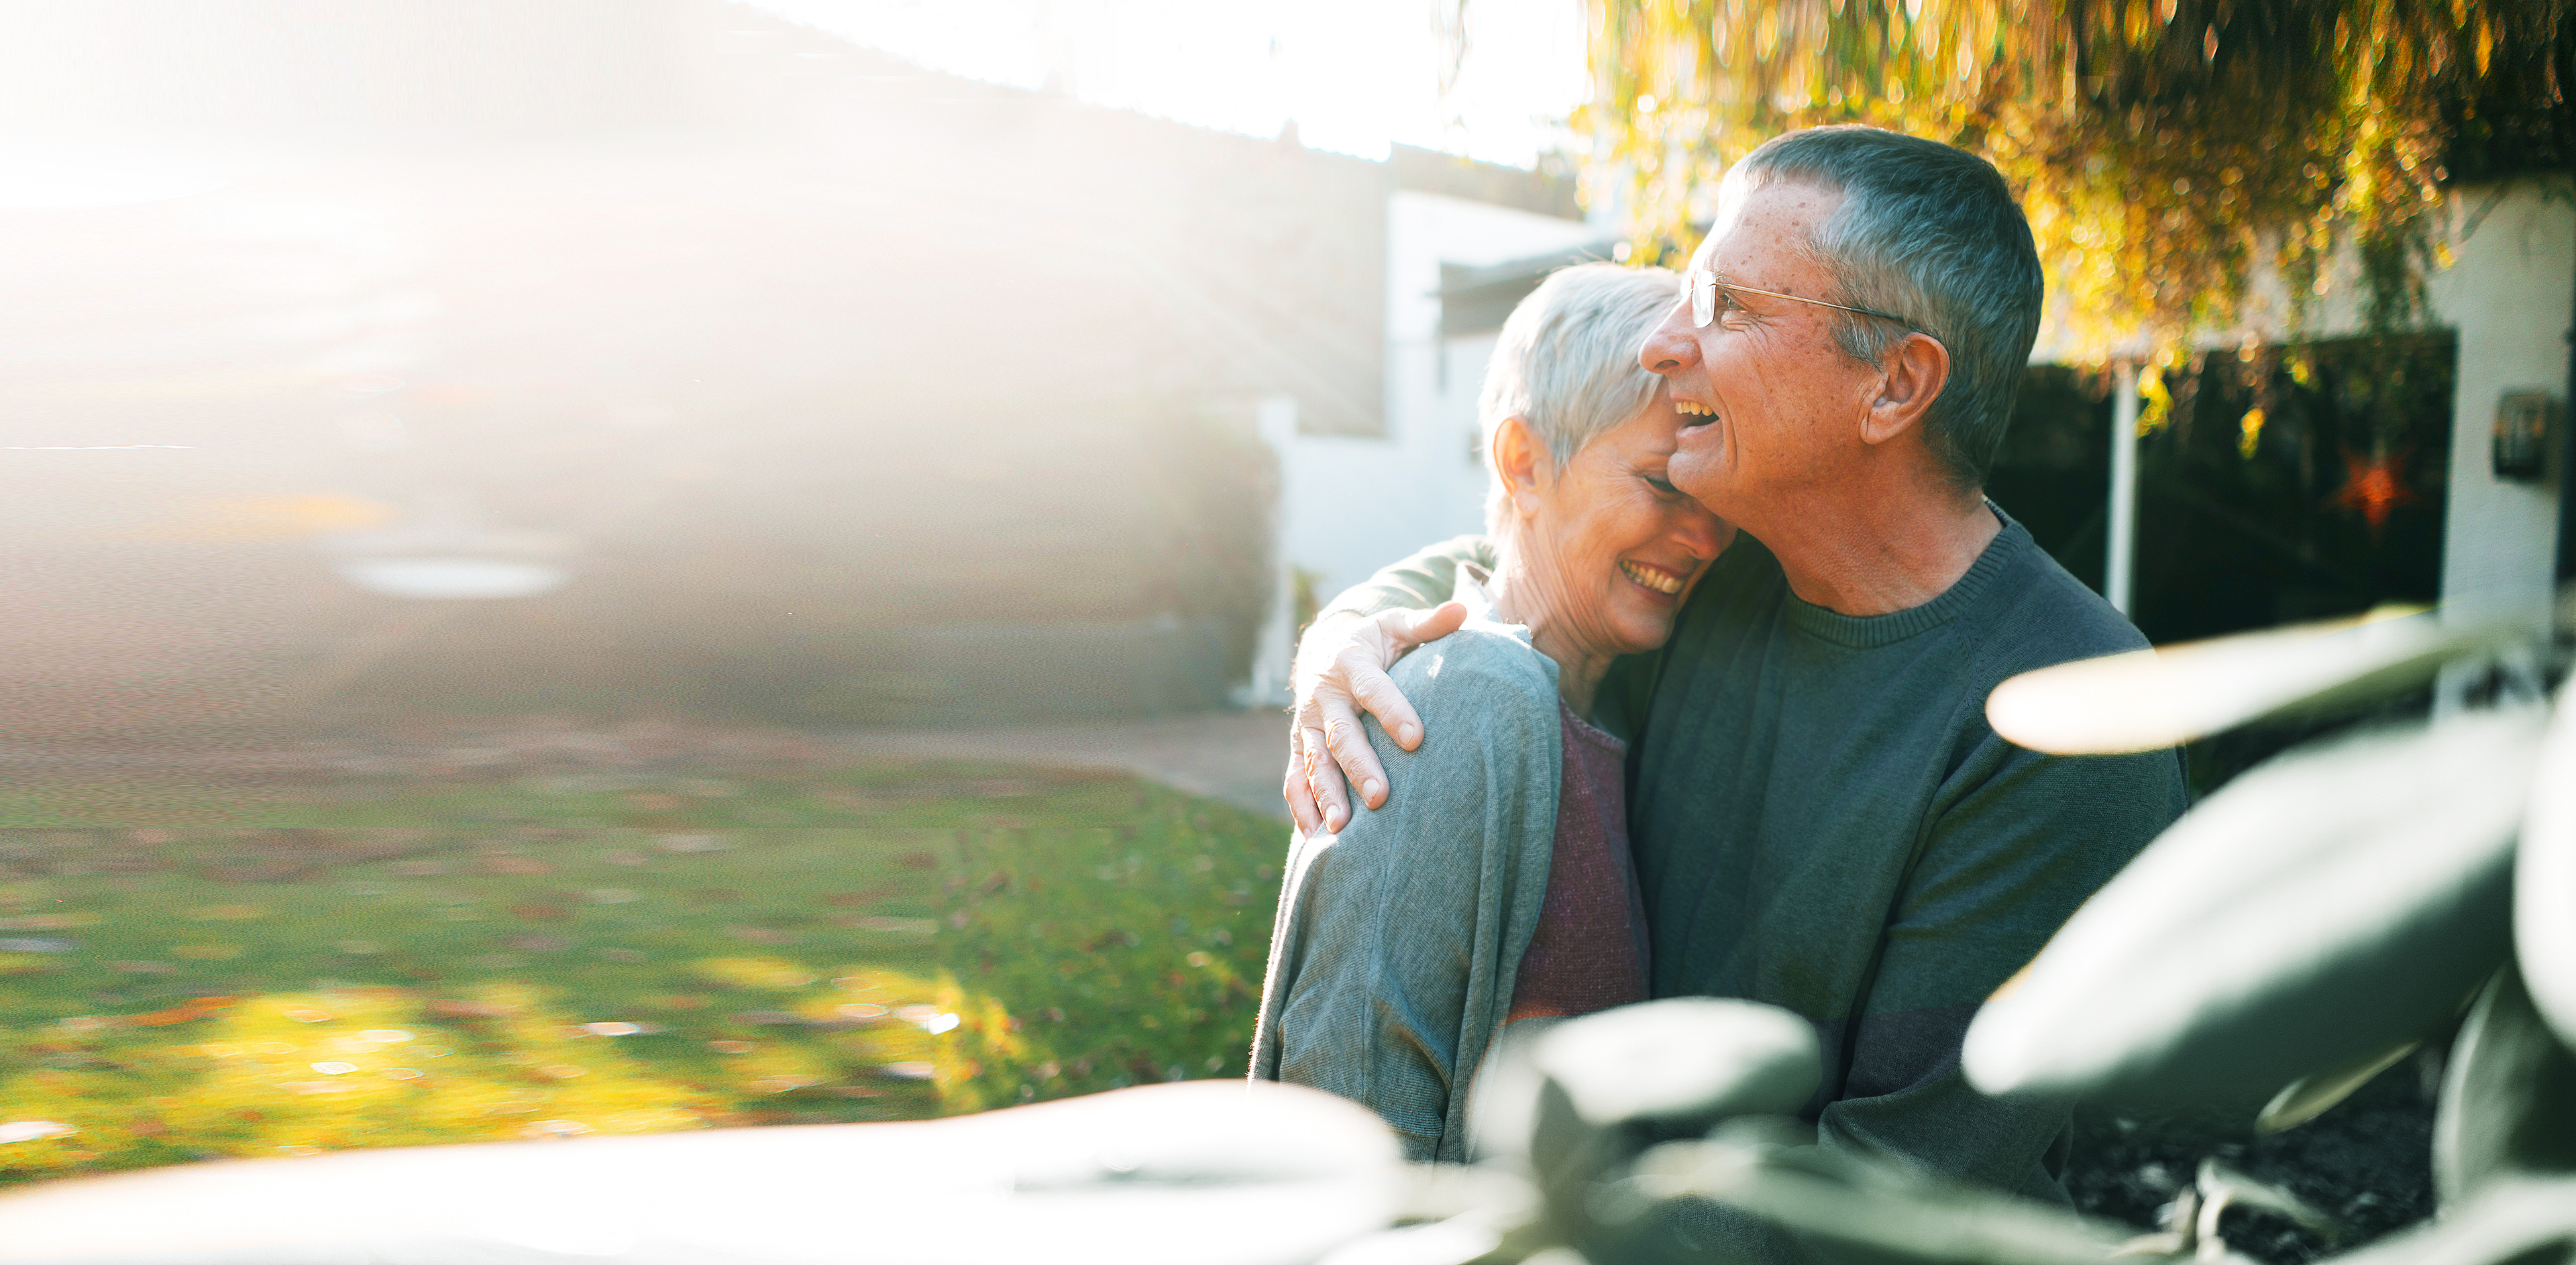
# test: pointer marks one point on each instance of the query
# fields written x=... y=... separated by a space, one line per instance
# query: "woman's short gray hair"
x=1566 y=364
x=1932 y=233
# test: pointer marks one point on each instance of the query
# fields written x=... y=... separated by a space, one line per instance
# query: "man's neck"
x=1881 y=551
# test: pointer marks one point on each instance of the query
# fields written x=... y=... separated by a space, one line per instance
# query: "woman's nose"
x=1703 y=535
x=1673 y=347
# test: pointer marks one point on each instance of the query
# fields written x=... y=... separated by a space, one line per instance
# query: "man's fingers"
x=1341 y=669
x=1349 y=747
x=1377 y=695
x=1362 y=669
x=1301 y=802
x=1410 y=628
x=1324 y=778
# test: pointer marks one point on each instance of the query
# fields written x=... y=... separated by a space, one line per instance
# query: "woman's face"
x=1615 y=545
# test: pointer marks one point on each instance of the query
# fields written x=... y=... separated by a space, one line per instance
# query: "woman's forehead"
x=1652 y=433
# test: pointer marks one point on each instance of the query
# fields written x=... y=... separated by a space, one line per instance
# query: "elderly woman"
x=1498 y=887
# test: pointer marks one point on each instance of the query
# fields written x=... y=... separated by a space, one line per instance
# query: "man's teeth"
x=1659 y=580
x=1694 y=410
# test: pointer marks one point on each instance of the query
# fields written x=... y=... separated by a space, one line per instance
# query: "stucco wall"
x=2509 y=293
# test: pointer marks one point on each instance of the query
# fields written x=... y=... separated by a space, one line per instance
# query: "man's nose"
x=1673 y=347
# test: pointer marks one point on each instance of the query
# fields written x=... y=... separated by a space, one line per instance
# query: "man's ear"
x=1515 y=453
x=1912 y=375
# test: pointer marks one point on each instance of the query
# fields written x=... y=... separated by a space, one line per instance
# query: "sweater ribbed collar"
x=1868 y=632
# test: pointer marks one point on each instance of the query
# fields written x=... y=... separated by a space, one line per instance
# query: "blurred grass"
x=194 y=967
x=1130 y=954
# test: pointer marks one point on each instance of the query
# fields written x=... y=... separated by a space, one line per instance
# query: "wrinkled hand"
x=1341 y=671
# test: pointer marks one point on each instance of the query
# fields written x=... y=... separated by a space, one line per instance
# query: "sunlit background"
x=824 y=363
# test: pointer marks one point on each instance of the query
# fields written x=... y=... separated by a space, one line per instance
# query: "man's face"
x=1771 y=407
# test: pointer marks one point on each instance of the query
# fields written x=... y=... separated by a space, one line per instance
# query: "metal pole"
x=2124 y=488
x=2565 y=437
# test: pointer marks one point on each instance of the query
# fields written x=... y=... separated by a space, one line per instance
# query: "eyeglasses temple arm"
x=1863 y=311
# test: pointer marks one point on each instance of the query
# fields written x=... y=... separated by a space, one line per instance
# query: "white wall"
x=1349 y=506
x=2509 y=292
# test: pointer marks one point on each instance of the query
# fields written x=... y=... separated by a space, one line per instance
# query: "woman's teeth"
x=1656 y=578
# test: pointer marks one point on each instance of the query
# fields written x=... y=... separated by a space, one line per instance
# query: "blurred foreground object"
x=1190 y=1174
x=2307 y=926
x=2168 y=696
x=2328 y=905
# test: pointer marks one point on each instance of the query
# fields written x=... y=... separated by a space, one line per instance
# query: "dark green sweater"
x=1823 y=821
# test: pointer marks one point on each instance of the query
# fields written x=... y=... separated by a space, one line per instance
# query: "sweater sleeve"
x=1425 y=579
x=2018 y=841
x=1392 y=962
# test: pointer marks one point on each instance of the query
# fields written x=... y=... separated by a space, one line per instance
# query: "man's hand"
x=1340 y=672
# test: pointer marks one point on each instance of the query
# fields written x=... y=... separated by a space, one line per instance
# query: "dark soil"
x=2367 y=1162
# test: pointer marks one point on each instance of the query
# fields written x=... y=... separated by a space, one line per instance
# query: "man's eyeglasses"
x=1704 y=286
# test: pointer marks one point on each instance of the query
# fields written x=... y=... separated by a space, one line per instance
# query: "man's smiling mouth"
x=1688 y=410
x=1656 y=578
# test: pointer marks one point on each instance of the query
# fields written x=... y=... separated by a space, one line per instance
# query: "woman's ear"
x=1914 y=372
x=1515 y=453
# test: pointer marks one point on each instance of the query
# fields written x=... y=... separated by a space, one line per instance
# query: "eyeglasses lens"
x=1703 y=296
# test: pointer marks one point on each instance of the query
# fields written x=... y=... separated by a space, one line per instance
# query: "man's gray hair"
x=1931 y=233
x=1566 y=364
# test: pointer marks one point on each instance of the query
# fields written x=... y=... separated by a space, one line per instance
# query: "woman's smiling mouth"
x=1653 y=577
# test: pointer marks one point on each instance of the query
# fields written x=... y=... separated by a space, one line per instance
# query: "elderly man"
x=1821 y=817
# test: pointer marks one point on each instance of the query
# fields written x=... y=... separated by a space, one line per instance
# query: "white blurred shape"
x=2544 y=877
x=453 y=578
x=2150 y=699
x=548 y=1232
x=1197 y=1169
x=1693 y=1056
x=446 y=551
x=2354 y=836
x=55 y=177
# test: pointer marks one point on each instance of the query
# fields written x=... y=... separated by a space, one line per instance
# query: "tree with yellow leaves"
x=2165 y=149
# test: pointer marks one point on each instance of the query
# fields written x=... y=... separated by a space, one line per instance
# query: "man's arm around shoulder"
x=1341 y=671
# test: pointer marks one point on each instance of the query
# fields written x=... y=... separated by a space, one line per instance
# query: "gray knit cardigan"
x=1394 y=949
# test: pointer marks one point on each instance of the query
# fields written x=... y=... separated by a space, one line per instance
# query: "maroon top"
x=1590 y=950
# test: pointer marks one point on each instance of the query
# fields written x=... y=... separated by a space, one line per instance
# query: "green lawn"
x=193 y=968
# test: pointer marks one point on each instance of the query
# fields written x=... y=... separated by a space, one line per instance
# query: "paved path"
x=1232 y=756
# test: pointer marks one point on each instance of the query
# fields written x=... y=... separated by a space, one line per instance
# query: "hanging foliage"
x=2164 y=149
